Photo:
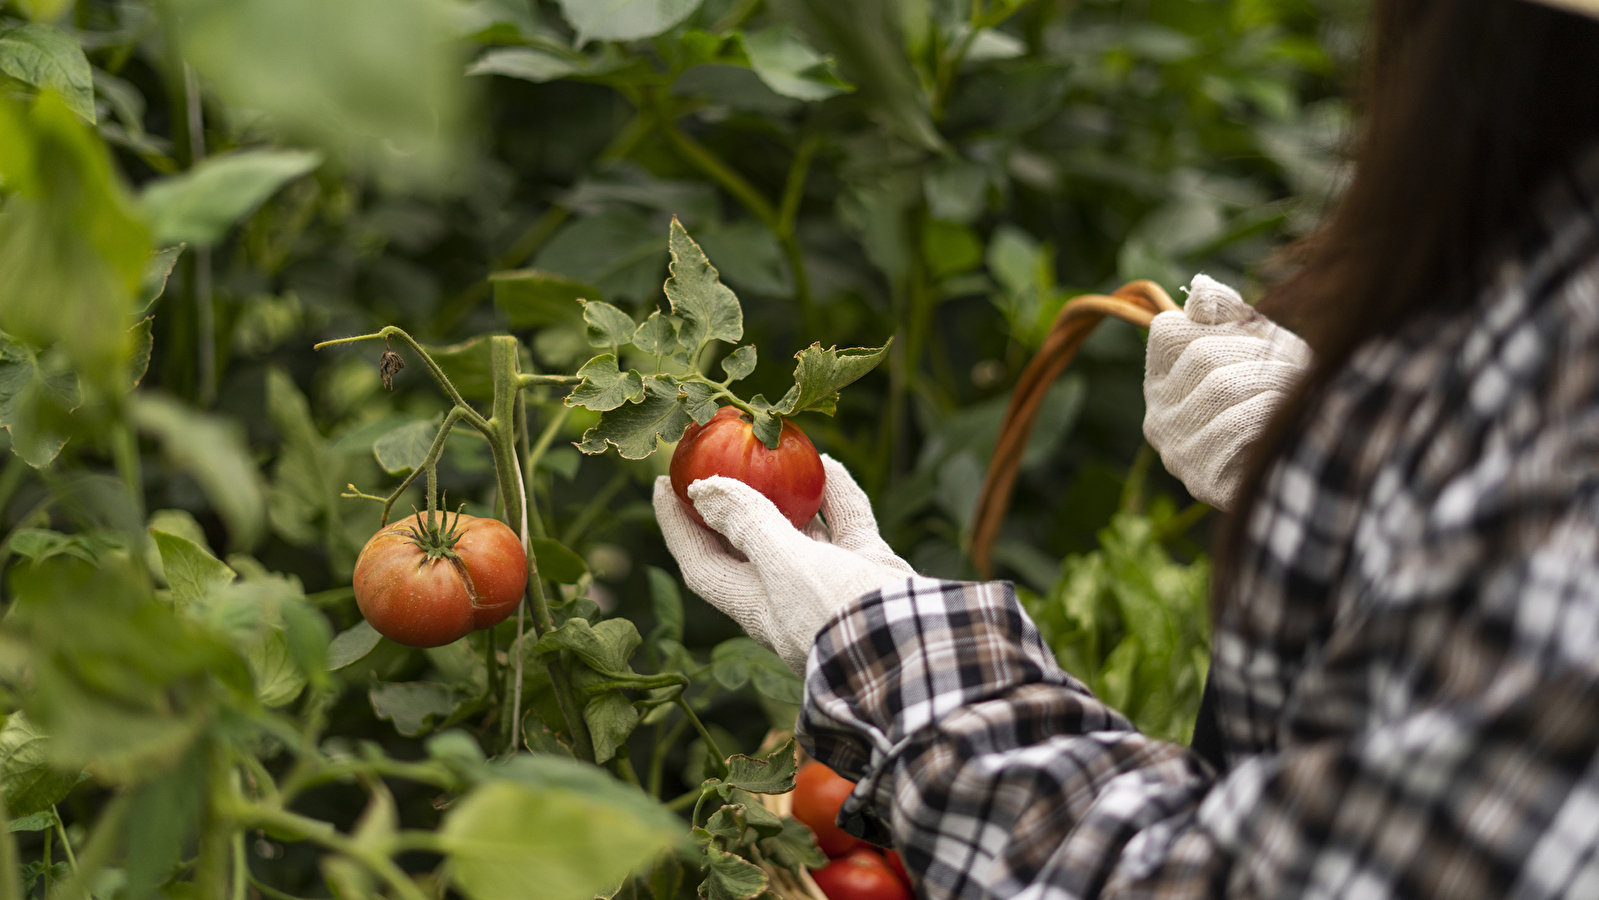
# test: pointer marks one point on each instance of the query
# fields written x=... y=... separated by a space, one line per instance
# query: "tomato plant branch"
x=526 y=380
x=710 y=742
x=72 y=860
x=472 y=416
x=255 y=815
x=637 y=683
x=428 y=463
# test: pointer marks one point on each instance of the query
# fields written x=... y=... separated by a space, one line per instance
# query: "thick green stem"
x=10 y=860
x=638 y=683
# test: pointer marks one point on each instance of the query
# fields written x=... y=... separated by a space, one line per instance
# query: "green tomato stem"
x=472 y=416
x=710 y=742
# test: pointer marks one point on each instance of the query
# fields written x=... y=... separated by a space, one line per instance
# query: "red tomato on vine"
x=790 y=476
x=861 y=875
x=425 y=587
x=818 y=793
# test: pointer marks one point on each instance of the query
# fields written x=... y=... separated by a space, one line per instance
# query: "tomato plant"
x=861 y=874
x=818 y=794
x=427 y=584
x=479 y=206
x=790 y=476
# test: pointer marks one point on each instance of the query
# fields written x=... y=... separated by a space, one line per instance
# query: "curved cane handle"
x=1137 y=302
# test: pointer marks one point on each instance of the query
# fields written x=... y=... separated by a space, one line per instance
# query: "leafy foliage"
x=562 y=217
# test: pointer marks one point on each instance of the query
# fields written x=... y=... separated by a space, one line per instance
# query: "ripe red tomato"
x=818 y=793
x=790 y=476
x=413 y=586
x=862 y=875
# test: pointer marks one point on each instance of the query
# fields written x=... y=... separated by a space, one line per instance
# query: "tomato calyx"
x=437 y=541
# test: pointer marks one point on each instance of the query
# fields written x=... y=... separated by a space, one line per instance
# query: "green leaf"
x=37 y=395
x=90 y=546
x=534 y=299
x=212 y=450
x=166 y=811
x=605 y=647
x=740 y=363
x=611 y=717
x=512 y=839
x=657 y=335
x=730 y=877
x=619 y=250
x=636 y=428
x=794 y=848
x=46 y=57
x=200 y=205
x=727 y=824
x=607 y=327
x=767 y=425
x=405 y=448
x=667 y=604
x=28 y=780
x=708 y=309
x=191 y=571
x=375 y=81
x=143 y=346
x=557 y=563
x=278 y=680
x=739 y=661
x=666 y=876
x=821 y=374
x=538 y=66
x=304 y=503
x=773 y=775
x=605 y=386
x=700 y=401
x=414 y=707
x=38 y=821
x=624 y=20
x=469 y=366
x=72 y=246
x=790 y=67
x=352 y=645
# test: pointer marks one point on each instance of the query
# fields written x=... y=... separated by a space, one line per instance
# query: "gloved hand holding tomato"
x=857 y=870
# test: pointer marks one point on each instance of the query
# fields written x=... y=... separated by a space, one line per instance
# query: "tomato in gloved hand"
x=426 y=587
x=818 y=793
x=862 y=875
x=790 y=476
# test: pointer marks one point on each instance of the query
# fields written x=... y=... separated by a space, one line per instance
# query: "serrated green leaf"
x=46 y=57
x=794 y=848
x=657 y=335
x=727 y=824
x=709 y=310
x=636 y=429
x=700 y=400
x=200 y=205
x=607 y=327
x=790 y=67
x=821 y=374
x=730 y=877
x=611 y=717
x=405 y=448
x=605 y=386
x=754 y=815
x=740 y=363
x=557 y=563
x=191 y=571
x=605 y=647
x=773 y=775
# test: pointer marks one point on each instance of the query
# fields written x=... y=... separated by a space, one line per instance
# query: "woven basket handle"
x=1137 y=302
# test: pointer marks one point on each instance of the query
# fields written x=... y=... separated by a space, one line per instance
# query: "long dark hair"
x=1468 y=108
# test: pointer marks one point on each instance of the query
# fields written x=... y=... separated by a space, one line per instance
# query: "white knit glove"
x=1215 y=374
x=790 y=582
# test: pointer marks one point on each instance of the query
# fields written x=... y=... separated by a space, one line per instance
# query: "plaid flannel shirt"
x=1406 y=683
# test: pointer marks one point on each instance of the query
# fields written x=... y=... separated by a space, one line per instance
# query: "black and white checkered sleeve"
x=993 y=772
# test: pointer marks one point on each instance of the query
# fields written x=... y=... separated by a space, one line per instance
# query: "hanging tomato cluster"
x=855 y=870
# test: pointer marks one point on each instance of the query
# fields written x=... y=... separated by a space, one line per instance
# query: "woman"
x=1404 y=693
